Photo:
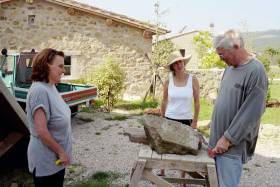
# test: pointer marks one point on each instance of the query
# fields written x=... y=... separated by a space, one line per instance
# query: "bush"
x=109 y=79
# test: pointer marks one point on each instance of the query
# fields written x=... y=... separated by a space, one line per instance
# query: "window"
x=31 y=19
x=28 y=62
x=67 y=65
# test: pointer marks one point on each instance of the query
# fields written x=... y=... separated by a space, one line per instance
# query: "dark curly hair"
x=40 y=68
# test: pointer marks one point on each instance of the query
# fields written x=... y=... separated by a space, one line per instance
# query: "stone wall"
x=87 y=38
x=209 y=81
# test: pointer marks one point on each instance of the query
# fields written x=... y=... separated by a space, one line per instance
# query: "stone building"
x=86 y=34
x=185 y=41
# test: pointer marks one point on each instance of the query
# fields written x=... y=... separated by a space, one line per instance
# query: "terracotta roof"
x=106 y=14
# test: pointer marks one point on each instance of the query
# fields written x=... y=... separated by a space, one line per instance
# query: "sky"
x=244 y=15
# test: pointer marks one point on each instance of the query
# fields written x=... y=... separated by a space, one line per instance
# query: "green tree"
x=161 y=51
x=206 y=52
x=266 y=58
x=109 y=79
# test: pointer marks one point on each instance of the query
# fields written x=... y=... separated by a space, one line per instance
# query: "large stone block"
x=167 y=136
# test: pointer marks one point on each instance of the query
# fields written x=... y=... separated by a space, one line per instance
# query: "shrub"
x=109 y=79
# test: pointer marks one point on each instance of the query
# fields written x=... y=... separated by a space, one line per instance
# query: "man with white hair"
x=238 y=108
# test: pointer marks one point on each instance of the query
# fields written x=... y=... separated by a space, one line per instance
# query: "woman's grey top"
x=40 y=156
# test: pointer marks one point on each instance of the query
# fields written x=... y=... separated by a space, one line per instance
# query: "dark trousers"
x=184 y=121
x=55 y=180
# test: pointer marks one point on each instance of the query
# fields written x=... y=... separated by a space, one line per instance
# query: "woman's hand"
x=194 y=124
x=64 y=159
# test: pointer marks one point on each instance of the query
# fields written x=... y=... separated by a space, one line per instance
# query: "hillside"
x=263 y=39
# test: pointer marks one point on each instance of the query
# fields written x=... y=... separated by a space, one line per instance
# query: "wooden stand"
x=200 y=166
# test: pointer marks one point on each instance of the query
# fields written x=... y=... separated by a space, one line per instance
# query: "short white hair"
x=228 y=39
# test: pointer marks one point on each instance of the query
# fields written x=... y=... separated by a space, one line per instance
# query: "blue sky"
x=245 y=15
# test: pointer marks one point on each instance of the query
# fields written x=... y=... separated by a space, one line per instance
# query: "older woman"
x=49 y=120
x=179 y=91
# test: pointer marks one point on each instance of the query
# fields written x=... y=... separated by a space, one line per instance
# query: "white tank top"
x=179 y=105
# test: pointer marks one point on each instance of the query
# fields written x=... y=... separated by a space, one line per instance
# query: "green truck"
x=16 y=71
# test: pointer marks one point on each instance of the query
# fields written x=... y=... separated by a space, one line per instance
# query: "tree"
x=206 y=52
x=109 y=79
x=267 y=58
x=160 y=52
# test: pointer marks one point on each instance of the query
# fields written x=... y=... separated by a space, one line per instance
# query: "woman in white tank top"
x=179 y=91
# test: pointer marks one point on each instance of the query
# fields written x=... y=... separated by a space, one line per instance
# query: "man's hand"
x=222 y=145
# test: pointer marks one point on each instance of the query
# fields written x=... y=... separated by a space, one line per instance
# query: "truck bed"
x=72 y=94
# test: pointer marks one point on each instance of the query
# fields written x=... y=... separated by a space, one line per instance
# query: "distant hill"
x=263 y=39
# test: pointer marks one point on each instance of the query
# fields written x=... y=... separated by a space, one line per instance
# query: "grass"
x=117 y=118
x=100 y=179
x=275 y=91
x=135 y=105
x=204 y=130
x=271 y=116
x=206 y=108
x=20 y=176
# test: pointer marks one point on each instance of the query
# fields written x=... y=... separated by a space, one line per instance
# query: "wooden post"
x=137 y=173
x=212 y=175
x=148 y=174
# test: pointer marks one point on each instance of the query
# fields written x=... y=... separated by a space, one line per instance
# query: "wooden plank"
x=212 y=175
x=185 y=181
x=185 y=166
x=145 y=152
x=148 y=174
x=137 y=173
x=133 y=169
x=156 y=156
x=14 y=104
x=201 y=157
x=196 y=175
x=9 y=141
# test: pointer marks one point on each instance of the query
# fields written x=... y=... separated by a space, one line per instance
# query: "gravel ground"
x=100 y=145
